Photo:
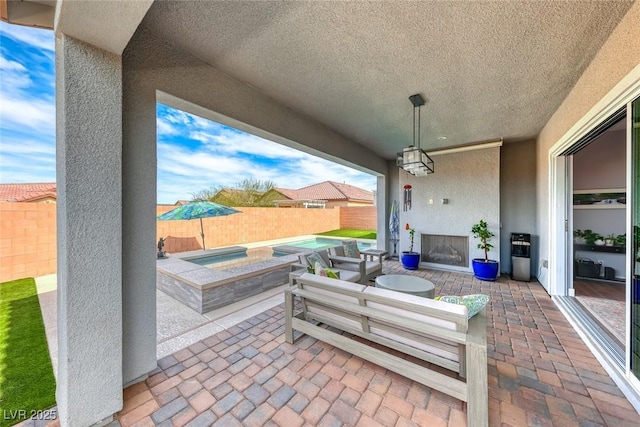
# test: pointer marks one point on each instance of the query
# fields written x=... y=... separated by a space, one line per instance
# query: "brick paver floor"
x=540 y=374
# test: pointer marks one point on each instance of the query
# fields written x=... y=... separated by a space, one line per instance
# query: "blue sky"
x=193 y=153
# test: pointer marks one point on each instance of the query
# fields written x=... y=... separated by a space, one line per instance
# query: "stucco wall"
x=518 y=199
x=617 y=58
x=471 y=182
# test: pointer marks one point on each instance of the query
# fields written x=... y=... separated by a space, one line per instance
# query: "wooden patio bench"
x=432 y=331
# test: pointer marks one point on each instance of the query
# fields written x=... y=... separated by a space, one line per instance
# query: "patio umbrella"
x=197 y=210
x=394 y=225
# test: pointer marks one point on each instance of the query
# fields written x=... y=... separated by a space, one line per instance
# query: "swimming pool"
x=242 y=257
x=324 y=243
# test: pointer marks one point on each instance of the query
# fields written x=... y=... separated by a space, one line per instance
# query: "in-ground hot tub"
x=205 y=289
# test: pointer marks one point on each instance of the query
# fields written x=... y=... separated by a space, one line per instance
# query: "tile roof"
x=331 y=190
x=288 y=192
x=27 y=192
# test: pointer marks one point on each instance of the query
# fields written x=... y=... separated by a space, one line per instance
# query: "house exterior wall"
x=470 y=181
x=518 y=199
x=616 y=59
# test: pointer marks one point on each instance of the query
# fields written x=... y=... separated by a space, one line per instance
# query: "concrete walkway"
x=178 y=326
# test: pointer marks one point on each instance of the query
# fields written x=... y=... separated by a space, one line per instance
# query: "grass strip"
x=351 y=233
x=27 y=384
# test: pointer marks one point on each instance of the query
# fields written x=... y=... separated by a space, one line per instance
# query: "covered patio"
x=540 y=374
x=506 y=85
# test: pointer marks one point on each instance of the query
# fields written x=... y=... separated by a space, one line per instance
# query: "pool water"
x=237 y=259
x=253 y=255
x=322 y=243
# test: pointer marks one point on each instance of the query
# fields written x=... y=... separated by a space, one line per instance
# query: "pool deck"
x=204 y=289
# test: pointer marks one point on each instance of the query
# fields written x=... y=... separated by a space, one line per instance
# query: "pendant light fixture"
x=414 y=159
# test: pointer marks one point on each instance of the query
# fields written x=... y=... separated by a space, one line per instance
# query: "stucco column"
x=382 y=204
x=139 y=200
x=89 y=176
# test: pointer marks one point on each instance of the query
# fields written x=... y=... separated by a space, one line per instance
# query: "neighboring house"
x=326 y=194
x=39 y=192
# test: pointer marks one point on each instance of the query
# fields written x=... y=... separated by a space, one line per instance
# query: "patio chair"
x=337 y=263
x=348 y=251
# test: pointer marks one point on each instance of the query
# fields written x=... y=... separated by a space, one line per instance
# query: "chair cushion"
x=370 y=267
x=474 y=303
x=351 y=249
x=315 y=257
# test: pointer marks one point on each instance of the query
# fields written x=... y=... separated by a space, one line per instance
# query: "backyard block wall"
x=252 y=225
x=358 y=217
x=27 y=240
x=28 y=231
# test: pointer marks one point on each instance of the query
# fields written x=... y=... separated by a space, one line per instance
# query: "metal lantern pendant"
x=414 y=159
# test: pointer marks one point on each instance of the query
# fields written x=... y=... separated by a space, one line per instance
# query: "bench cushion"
x=339 y=290
x=410 y=337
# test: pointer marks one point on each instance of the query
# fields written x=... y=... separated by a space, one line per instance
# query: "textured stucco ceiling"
x=486 y=69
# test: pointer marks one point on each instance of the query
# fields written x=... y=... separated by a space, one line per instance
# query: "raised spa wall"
x=204 y=289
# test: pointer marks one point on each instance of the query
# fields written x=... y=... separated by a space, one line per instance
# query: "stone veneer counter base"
x=204 y=289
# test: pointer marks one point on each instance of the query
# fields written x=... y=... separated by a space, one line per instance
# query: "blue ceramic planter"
x=410 y=260
x=485 y=270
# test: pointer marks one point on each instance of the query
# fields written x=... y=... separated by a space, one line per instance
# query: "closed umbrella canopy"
x=197 y=210
x=394 y=225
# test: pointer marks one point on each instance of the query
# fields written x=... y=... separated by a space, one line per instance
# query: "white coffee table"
x=408 y=284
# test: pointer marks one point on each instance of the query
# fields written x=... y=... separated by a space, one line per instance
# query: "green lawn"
x=27 y=383
x=350 y=233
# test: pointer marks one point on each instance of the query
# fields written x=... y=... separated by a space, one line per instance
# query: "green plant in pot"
x=484 y=268
x=610 y=239
x=410 y=259
x=591 y=237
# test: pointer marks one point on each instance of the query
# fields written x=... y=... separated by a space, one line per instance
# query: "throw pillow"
x=326 y=271
x=351 y=249
x=474 y=303
x=314 y=257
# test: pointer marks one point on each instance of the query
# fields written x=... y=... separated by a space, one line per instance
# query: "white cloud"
x=165 y=128
x=9 y=65
x=38 y=38
x=27 y=160
x=16 y=114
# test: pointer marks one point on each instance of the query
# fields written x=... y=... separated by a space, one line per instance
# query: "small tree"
x=247 y=192
x=481 y=231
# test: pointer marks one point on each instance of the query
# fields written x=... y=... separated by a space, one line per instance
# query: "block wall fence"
x=28 y=231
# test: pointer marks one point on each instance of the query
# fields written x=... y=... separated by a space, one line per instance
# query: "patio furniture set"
x=396 y=325
x=397 y=313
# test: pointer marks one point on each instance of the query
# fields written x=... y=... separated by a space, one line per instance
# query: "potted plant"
x=610 y=240
x=410 y=259
x=578 y=237
x=484 y=269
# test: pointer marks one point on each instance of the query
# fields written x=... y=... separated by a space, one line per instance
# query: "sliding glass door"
x=635 y=240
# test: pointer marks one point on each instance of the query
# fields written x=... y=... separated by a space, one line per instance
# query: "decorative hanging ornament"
x=407 y=197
